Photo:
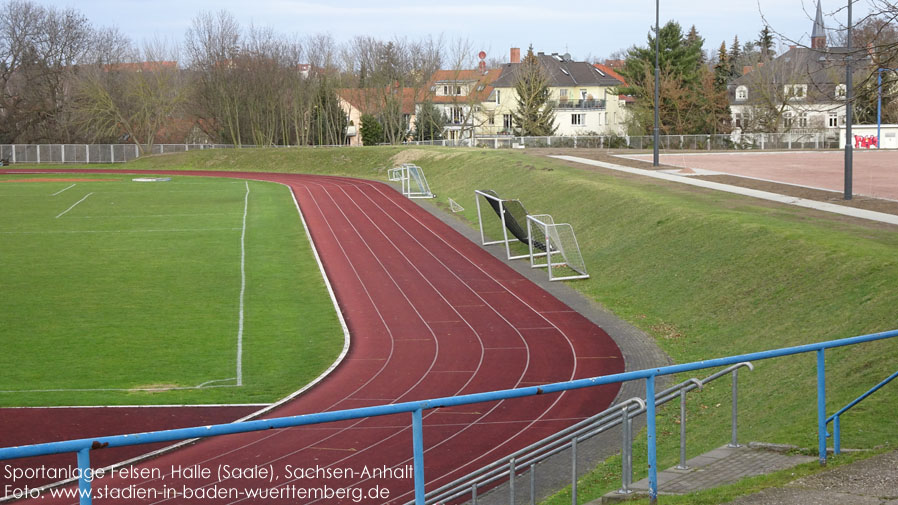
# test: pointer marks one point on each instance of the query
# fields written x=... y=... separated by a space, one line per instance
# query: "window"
x=787 y=120
x=802 y=119
x=840 y=91
x=833 y=120
x=796 y=91
x=457 y=115
x=506 y=121
x=582 y=94
x=738 y=117
x=490 y=118
x=445 y=90
x=742 y=93
x=458 y=90
x=578 y=119
x=562 y=94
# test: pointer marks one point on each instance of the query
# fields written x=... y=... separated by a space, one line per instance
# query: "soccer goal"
x=411 y=177
x=454 y=206
x=512 y=218
x=561 y=252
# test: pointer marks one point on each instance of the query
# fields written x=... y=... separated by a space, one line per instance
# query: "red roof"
x=370 y=100
x=610 y=71
x=481 y=90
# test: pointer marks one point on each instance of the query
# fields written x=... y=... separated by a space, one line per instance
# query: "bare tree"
x=39 y=50
x=132 y=99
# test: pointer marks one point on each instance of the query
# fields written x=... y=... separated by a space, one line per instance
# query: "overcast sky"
x=596 y=30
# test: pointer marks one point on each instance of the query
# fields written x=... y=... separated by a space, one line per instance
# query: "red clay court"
x=875 y=172
x=430 y=314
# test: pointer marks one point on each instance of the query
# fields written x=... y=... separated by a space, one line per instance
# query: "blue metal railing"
x=837 y=428
x=83 y=446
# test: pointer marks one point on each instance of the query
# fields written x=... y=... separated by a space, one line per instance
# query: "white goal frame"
x=548 y=231
x=506 y=240
x=406 y=174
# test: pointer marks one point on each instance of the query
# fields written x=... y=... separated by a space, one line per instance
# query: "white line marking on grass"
x=73 y=206
x=43 y=232
x=61 y=190
x=141 y=216
x=242 y=288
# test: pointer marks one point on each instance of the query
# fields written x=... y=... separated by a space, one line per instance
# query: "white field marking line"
x=358 y=187
x=426 y=229
x=59 y=232
x=152 y=215
x=73 y=206
x=166 y=406
x=83 y=390
x=267 y=407
x=61 y=190
x=242 y=288
x=763 y=195
x=336 y=402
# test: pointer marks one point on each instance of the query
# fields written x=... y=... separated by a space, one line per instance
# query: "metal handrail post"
x=650 y=438
x=734 y=440
x=626 y=451
x=418 y=450
x=682 y=465
x=821 y=406
x=573 y=471
x=511 y=472
x=837 y=431
x=533 y=484
x=85 y=477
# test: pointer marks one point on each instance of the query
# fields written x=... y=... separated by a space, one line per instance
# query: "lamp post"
x=657 y=92
x=848 y=138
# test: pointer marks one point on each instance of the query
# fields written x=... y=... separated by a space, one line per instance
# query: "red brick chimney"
x=515 y=54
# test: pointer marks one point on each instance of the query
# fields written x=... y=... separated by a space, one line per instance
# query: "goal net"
x=561 y=255
x=510 y=225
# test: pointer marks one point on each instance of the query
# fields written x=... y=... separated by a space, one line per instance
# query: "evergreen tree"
x=735 y=57
x=371 y=130
x=765 y=44
x=429 y=122
x=534 y=116
x=694 y=39
x=722 y=68
x=686 y=101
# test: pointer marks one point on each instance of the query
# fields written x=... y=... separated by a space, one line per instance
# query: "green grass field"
x=112 y=286
x=707 y=274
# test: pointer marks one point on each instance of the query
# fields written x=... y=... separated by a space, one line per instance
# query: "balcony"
x=585 y=104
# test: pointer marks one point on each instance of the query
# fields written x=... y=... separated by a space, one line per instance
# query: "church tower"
x=818 y=34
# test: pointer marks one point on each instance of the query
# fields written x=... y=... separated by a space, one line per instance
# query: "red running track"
x=430 y=314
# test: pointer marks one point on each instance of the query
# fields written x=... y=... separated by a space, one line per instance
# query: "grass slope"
x=138 y=286
x=708 y=274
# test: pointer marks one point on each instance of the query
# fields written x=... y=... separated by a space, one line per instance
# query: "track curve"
x=430 y=314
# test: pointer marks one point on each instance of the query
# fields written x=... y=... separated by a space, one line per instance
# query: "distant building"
x=800 y=91
x=584 y=97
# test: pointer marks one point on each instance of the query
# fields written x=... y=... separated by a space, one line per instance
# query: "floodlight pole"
x=848 y=95
x=657 y=91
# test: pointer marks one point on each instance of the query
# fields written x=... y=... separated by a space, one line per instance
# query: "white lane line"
x=61 y=190
x=242 y=289
x=73 y=206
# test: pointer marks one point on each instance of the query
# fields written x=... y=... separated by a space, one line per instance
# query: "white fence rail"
x=736 y=141
x=89 y=153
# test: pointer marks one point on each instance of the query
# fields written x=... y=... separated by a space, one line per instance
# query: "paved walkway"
x=765 y=195
x=873 y=481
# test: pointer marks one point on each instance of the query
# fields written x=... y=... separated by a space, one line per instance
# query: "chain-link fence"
x=802 y=141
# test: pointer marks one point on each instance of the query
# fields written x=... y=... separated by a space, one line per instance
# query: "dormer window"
x=796 y=91
x=742 y=93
